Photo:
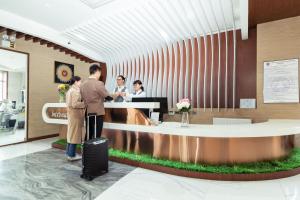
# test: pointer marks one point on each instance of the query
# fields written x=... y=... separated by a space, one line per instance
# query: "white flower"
x=179 y=106
x=185 y=104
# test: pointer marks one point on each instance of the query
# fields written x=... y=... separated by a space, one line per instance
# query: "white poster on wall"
x=281 y=83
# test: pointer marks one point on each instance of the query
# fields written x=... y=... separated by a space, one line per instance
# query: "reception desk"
x=128 y=129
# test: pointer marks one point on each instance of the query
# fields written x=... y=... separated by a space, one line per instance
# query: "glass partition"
x=13 y=90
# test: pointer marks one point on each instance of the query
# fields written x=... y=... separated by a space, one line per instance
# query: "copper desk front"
x=192 y=149
x=126 y=116
x=201 y=149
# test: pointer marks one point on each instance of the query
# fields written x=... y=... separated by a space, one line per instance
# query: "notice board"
x=281 y=83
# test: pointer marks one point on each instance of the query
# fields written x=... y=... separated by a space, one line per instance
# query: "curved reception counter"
x=128 y=129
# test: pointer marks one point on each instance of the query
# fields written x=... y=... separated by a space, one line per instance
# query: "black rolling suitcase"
x=94 y=154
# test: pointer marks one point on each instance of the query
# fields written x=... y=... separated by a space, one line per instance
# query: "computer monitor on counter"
x=163 y=105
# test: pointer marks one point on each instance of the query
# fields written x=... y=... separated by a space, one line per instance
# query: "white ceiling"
x=103 y=28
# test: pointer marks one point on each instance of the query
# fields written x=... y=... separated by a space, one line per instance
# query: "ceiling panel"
x=122 y=27
x=154 y=23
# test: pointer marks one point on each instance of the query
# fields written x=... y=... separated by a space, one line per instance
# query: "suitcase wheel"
x=86 y=177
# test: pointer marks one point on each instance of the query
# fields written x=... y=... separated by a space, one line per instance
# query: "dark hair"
x=140 y=83
x=94 y=68
x=122 y=77
x=74 y=79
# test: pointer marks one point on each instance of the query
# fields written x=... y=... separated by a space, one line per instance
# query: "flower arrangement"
x=184 y=105
x=62 y=90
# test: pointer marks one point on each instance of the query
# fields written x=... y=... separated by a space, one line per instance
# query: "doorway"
x=13 y=96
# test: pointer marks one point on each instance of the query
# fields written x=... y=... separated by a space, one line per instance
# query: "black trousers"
x=99 y=126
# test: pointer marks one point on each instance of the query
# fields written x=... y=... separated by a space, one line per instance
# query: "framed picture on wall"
x=63 y=72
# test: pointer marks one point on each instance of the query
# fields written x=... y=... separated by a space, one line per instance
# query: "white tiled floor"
x=12 y=151
x=143 y=184
x=9 y=138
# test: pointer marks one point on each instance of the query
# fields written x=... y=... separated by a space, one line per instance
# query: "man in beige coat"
x=93 y=93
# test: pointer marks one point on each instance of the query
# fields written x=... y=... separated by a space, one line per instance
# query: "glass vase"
x=185 y=119
x=62 y=98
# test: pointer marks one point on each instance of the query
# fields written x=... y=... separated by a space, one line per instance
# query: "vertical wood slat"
x=138 y=67
x=146 y=74
x=199 y=72
x=159 y=69
x=175 y=83
x=127 y=72
x=187 y=66
x=170 y=79
x=154 y=85
x=180 y=89
x=149 y=87
x=192 y=80
x=165 y=78
x=234 y=70
x=211 y=72
x=219 y=69
x=132 y=72
x=142 y=68
x=205 y=73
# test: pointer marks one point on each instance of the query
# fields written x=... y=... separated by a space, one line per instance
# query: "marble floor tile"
x=142 y=184
x=291 y=187
x=48 y=175
x=12 y=151
x=10 y=138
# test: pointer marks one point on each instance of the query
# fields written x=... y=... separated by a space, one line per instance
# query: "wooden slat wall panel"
x=178 y=71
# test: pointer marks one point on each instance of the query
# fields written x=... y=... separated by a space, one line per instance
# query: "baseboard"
x=42 y=137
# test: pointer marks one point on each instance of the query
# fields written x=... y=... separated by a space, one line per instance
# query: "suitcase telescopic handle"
x=95 y=126
x=88 y=124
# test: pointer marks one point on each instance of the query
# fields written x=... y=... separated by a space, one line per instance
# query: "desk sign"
x=57 y=113
x=247 y=103
x=281 y=84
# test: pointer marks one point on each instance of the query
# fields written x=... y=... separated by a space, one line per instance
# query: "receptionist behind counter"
x=121 y=93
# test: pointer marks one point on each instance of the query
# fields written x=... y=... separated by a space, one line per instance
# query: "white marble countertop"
x=145 y=105
x=273 y=127
x=140 y=105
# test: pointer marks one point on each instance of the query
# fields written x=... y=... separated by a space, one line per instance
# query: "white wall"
x=16 y=83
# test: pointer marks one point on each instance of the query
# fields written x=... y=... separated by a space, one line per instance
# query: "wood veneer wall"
x=276 y=40
x=42 y=88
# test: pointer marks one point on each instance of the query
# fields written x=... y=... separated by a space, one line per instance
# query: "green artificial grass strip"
x=63 y=142
x=291 y=162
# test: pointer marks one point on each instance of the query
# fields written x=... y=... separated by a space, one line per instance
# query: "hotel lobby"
x=149 y=100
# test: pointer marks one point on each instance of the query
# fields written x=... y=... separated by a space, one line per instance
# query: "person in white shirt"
x=120 y=92
x=138 y=90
